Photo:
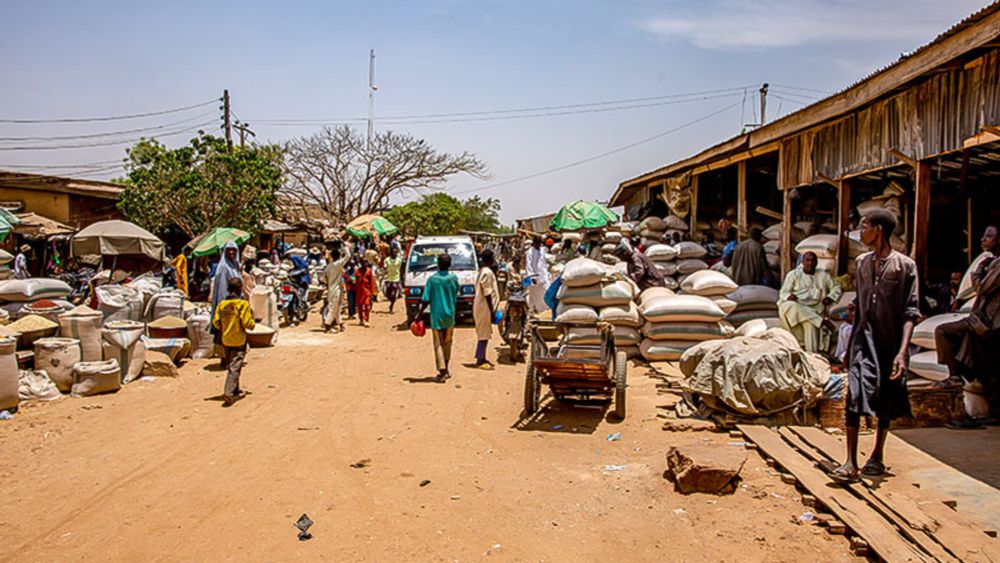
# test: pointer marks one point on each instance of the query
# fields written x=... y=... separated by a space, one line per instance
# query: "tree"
x=201 y=186
x=344 y=175
x=441 y=214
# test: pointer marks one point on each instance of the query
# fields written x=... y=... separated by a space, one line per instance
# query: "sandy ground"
x=447 y=471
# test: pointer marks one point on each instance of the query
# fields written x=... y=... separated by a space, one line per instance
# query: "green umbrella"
x=7 y=222
x=213 y=241
x=365 y=225
x=583 y=215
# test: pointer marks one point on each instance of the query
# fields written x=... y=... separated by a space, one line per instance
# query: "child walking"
x=233 y=319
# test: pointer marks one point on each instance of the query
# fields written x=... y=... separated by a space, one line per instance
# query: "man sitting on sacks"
x=970 y=347
x=640 y=268
x=803 y=296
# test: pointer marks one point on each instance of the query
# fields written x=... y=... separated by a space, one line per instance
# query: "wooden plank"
x=843 y=254
x=742 y=213
x=953 y=530
x=694 y=206
x=884 y=539
x=902 y=518
x=786 y=237
x=922 y=215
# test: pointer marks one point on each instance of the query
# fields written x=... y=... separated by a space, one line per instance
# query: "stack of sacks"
x=689 y=260
x=889 y=200
x=608 y=251
x=652 y=230
x=713 y=285
x=664 y=257
x=965 y=290
x=772 y=245
x=924 y=364
x=753 y=302
x=17 y=296
x=119 y=303
x=825 y=248
x=676 y=225
x=675 y=323
x=627 y=321
x=585 y=291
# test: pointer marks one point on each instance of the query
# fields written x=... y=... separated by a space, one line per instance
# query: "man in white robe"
x=801 y=301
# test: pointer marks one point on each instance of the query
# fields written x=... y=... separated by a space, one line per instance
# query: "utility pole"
x=763 y=104
x=244 y=129
x=226 y=121
x=372 y=88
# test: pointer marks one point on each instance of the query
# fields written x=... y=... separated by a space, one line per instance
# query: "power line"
x=826 y=92
x=112 y=117
x=601 y=155
x=111 y=133
x=532 y=110
x=784 y=99
x=59 y=166
x=809 y=97
x=108 y=143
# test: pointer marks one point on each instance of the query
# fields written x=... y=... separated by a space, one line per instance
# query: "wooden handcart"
x=575 y=371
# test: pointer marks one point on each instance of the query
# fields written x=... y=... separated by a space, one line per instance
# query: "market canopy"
x=7 y=222
x=116 y=238
x=367 y=225
x=34 y=226
x=583 y=215
x=213 y=241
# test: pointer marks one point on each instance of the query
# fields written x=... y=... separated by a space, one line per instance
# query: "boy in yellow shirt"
x=233 y=319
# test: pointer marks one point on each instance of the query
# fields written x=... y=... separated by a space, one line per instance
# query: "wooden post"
x=921 y=215
x=694 y=207
x=843 y=247
x=742 y=212
x=967 y=199
x=786 y=235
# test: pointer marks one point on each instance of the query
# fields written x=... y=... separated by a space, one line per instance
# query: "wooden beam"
x=994 y=129
x=904 y=158
x=694 y=206
x=967 y=200
x=843 y=246
x=921 y=215
x=823 y=177
x=786 y=235
x=742 y=213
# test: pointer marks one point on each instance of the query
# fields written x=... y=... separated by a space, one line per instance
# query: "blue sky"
x=309 y=60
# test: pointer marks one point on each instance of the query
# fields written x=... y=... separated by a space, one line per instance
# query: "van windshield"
x=423 y=258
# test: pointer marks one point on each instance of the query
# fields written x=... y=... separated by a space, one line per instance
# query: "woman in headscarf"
x=228 y=268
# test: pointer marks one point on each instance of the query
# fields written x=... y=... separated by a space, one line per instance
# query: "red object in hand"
x=417 y=328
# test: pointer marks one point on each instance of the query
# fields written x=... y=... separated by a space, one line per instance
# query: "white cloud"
x=764 y=24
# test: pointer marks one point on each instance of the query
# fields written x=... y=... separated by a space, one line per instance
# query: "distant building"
x=72 y=201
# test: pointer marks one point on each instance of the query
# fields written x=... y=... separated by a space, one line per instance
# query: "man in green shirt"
x=392 y=266
x=441 y=293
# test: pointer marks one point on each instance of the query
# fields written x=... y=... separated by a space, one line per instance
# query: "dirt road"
x=347 y=428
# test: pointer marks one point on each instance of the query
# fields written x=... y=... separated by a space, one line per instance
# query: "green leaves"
x=441 y=214
x=201 y=186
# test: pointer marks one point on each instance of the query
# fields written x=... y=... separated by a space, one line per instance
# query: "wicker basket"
x=832 y=413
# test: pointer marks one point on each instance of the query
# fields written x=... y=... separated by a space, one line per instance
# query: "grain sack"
x=45 y=308
x=965 y=289
x=168 y=302
x=666 y=268
x=664 y=350
x=653 y=224
x=612 y=237
x=583 y=335
x=925 y=365
x=123 y=343
x=772 y=247
x=773 y=232
x=84 y=324
x=826 y=264
x=740 y=317
x=726 y=304
x=697 y=331
x=773 y=261
x=749 y=297
x=94 y=378
x=198 y=329
x=675 y=223
x=9 y=381
x=631 y=352
x=661 y=252
x=923 y=333
x=35 y=386
x=650 y=241
x=56 y=357
x=688 y=249
x=752 y=328
x=572 y=237
x=176 y=348
x=118 y=303
x=608 y=248
x=652 y=293
x=598 y=295
x=575 y=313
x=681 y=308
x=671 y=283
x=824 y=246
x=708 y=283
x=976 y=405
x=690 y=265
x=159 y=365
x=621 y=315
x=264 y=305
x=581 y=272
x=33 y=289
x=626 y=336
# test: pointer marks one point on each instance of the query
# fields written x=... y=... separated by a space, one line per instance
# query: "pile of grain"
x=169 y=322
x=31 y=323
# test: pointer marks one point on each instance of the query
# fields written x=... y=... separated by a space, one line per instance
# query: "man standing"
x=393 y=268
x=21 y=263
x=750 y=261
x=640 y=268
x=333 y=276
x=484 y=307
x=804 y=295
x=887 y=305
x=970 y=347
x=441 y=294
x=537 y=270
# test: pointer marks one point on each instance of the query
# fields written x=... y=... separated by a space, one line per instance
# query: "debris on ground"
x=705 y=468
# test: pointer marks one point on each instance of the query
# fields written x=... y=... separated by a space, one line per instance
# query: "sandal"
x=841 y=475
x=873 y=468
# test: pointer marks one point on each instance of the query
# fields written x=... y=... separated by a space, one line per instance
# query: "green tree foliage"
x=202 y=186
x=441 y=214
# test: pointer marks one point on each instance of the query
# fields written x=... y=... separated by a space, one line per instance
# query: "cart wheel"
x=621 y=373
x=531 y=390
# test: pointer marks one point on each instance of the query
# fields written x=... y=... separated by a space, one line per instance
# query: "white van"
x=421 y=263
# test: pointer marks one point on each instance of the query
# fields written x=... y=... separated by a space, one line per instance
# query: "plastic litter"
x=614 y=437
x=303 y=524
x=5 y=415
x=558 y=427
x=807 y=517
x=613 y=467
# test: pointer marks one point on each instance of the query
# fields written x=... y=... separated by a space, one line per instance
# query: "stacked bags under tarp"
x=674 y=323
x=589 y=293
x=753 y=302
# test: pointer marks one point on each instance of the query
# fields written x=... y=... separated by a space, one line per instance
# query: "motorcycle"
x=514 y=321
x=292 y=302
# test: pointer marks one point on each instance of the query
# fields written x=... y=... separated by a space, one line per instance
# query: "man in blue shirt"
x=441 y=293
